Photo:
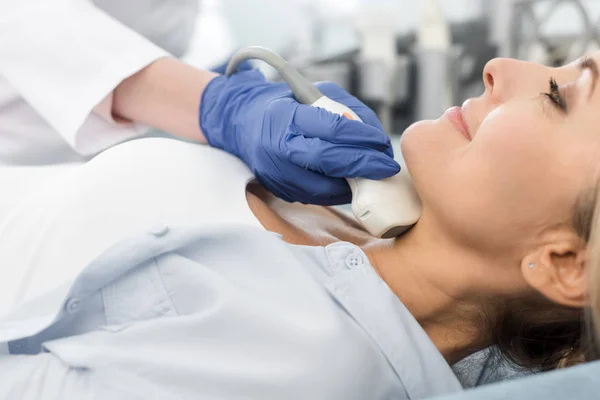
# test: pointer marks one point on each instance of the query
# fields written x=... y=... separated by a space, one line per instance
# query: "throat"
x=456 y=340
x=435 y=292
x=409 y=265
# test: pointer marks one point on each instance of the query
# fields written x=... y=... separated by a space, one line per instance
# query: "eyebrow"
x=589 y=63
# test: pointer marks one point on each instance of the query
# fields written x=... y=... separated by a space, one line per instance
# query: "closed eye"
x=555 y=96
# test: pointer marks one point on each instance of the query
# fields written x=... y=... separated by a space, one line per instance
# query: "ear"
x=557 y=270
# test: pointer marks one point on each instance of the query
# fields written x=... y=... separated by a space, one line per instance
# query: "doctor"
x=75 y=80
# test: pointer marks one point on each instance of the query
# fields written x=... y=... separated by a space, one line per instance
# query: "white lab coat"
x=59 y=63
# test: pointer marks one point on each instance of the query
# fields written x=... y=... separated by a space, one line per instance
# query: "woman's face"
x=525 y=160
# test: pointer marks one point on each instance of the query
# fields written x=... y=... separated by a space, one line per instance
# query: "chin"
x=413 y=143
x=421 y=157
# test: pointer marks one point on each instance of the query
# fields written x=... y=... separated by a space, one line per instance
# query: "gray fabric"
x=576 y=383
x=486 y=367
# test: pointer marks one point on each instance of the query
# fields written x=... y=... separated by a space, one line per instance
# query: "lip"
x=455 y=116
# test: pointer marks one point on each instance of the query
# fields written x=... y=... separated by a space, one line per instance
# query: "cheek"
x=511 y=150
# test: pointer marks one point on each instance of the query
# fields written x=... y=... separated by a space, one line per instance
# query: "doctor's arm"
x=298 y=152
x=165 y=95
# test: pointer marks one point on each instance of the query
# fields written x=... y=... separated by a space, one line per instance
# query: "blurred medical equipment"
x=386 y=208
x=376 y=24
x=212 y=23
x=170 y=25
x=433 y=61
x=533 y=37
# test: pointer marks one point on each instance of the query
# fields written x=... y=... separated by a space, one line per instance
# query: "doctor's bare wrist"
x=165 y=95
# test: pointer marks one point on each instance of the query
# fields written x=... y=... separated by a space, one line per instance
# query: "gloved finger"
x=247 y=76
x=339 y=160
x=336 y=93
x=308 y=187
x=319 y=123
x=389 y=152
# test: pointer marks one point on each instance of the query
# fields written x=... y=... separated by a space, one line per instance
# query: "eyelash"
x=555 y=97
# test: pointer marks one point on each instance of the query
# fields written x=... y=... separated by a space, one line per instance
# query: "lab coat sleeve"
x=65 y=57
x=45 y=377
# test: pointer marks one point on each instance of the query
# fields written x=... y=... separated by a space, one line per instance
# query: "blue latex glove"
x=299 y=153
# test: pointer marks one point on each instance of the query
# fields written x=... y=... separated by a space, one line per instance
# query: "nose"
x=505 y=78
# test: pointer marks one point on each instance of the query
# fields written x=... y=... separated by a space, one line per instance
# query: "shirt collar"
x=415 y=359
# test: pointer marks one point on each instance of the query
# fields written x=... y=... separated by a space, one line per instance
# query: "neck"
x=432 y=277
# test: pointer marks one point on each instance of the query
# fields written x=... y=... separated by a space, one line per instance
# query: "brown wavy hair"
x=593 y=271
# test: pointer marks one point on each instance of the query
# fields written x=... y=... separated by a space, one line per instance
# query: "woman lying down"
x=155 y=270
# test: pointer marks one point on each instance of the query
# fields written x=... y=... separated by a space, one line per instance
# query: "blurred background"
x=408 y=60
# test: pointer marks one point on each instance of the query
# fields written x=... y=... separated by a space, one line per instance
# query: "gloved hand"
x=298 y=152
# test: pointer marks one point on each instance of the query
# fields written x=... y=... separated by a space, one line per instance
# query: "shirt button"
x=353 y=260
x=159 y=230
x=72 y=305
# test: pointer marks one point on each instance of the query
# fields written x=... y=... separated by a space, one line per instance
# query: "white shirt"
x=132 y=291
x=137 y=183
x=59 y=63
